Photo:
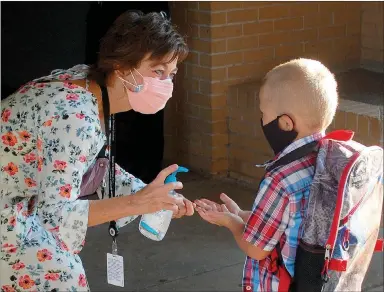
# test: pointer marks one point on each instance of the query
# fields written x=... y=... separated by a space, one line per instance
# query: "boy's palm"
x=230 y=204
x=215 y=216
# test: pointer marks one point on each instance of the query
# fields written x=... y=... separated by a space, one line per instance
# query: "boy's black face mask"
x=277 y=138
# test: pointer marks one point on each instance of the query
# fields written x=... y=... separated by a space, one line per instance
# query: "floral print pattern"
x=50 y=136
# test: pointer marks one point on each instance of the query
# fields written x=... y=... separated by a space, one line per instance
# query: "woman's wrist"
x=103 y=211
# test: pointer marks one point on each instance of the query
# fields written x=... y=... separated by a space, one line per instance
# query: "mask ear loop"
x=136 y=87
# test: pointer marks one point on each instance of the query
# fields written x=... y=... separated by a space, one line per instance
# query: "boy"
x=298 y=101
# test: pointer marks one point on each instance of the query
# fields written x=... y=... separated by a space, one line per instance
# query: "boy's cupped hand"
x=219 y=214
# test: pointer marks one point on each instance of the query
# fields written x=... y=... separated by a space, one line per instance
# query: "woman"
x=52 y=132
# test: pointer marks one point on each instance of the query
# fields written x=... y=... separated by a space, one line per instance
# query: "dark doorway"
x=38 y=37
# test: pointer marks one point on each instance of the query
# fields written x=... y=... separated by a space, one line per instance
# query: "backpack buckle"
x=327 y=259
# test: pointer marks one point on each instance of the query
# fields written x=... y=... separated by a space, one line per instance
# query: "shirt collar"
x=293 y=146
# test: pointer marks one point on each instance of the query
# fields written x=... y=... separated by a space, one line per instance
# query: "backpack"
x=342 y=217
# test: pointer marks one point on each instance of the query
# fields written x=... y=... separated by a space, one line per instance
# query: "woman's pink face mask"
x=149 y=97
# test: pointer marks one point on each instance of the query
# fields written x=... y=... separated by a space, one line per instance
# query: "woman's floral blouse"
x=50 y=136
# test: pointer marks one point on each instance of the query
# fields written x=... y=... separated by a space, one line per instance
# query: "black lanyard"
x=110 y=131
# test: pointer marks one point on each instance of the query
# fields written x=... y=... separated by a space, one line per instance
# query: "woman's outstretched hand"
x=156 y=195
x=186 y=208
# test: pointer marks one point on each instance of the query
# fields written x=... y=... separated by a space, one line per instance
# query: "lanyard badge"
x=115 y=263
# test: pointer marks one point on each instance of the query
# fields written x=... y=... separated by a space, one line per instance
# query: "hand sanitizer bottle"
x=155 y=225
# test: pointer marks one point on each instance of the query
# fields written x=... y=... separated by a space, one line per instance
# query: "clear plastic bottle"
x=155 y=225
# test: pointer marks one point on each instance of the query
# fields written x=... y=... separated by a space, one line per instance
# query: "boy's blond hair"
x=306 y=89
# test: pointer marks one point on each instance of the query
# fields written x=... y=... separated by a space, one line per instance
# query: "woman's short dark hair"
x=132 y=36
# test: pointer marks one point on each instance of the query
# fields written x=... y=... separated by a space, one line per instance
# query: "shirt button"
x=101 y=164
x=248 y=288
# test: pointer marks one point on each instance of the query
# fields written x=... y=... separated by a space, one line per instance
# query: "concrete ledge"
x=361 y=108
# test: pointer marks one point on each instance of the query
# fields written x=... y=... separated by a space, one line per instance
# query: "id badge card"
x=115 y=270
x=115 y=267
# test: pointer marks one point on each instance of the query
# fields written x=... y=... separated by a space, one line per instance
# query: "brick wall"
x=372 y=36
x=232 y=43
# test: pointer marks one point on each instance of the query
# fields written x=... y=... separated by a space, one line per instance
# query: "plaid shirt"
x=277 y=215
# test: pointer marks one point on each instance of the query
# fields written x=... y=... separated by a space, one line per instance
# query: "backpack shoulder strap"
x=295 y=155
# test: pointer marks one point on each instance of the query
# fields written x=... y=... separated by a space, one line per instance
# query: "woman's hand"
x=186 y=208
x=156 y=195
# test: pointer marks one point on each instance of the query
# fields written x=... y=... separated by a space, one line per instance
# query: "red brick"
x=193 y=17
x=258 y=55
x=241 y=127
x=369 y=29
x=332 y=32
x=303 y=35
x=332 y=6
x=208 y=87
x=241 y=70
x=192 y=4
x=219 y=140
x=213 y=114
x=200 y=45
x=257 y=70
x=288 y=24
x=350 y=46
x=219 y=5
x=241 y=154
x=274 y=39
x=193 y=58
x=193 y=32
x=354 y=29
x=257 y=27
x=251 y=4
x=243 y=141
x=191 y=84
x=242 y=43
x=340 y=120
x=351 y=121
x=247 y=114
x=218 y=101
x=207 y=46
x=294 y=50
x=218 y=46
x=344 y=17
x=208 y=18
x=363 y=126
x=319 y=46
x=219 y=32
x=188 y=109
x=242 y=15
x=199 y=99
x=274 y=12
x=221 y=59
x=246 y=98
x=219 y=166
x=219 y=127
x=318 y=20
x=376 y=128
x=304 y=8
x=207 y=73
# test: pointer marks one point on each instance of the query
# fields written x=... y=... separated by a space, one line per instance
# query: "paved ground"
x=194 y=256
